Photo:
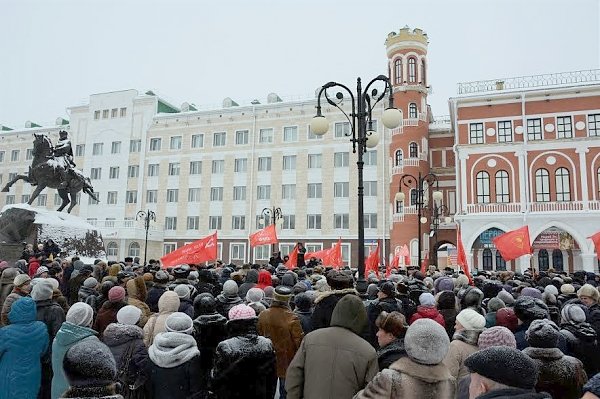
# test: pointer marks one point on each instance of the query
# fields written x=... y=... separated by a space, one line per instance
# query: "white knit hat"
x=179 y=322
x=129 y=315
x=80 y=314
x=471 y=320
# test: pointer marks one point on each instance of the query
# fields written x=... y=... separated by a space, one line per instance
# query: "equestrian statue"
x=54 y=167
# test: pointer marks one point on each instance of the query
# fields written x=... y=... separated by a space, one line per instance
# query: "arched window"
x=487 y=259
x=423 y=69
x=502 y=191
x=412 y=69
x=412 y=110
x=398 y=158
x=483 y=187
x=414 y=196
x=563 y=185
x=543 y=260
x=134 y=249
x=399 y=206
x=398 y=71
x=557 y=260
x=598 y=174
x=112 y=249
x=500 y=263
x=413 y=150
x=414 y=251
x=542 y=185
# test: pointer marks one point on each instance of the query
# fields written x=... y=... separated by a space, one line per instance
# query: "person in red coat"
x=427 y=310
x=34 y=264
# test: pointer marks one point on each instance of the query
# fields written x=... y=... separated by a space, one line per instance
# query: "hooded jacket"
x=428 y=312
x=68 y=335
x=22 y=344
x=119 y=338
x=324 y=305
x=582 y=343
x=334 y=362
x=136 y=296
x=154 y=295
x=6 y=283
x=167 y=305
x=209 y=331
x=264 y=279
x=251 y=281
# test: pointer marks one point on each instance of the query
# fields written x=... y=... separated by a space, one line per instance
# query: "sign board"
x=554 y=238
x=487 y=236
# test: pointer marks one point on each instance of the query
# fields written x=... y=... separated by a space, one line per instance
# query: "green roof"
x=6 y=129
x=164 y=107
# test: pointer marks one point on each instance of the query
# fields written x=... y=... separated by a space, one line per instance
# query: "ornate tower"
x=407 y=60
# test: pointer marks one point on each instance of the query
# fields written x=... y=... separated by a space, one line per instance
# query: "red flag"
x=199 y=251
x=424 y=263
x=268 y=235
x=461 y=257
x=395 y=261
x=513 y=244
x=596 y=239
x=292 y=262
x=372 y=262
x=406 y=253
x=330 y=257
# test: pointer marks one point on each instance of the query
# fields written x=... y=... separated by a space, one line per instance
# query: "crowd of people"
x=124 y=330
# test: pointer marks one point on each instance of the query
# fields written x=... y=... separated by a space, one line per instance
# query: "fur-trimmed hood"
x=117 y=334
x=136 y=288
x=343 y=292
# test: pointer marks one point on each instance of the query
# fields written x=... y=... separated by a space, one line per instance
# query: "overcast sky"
x=54 y=54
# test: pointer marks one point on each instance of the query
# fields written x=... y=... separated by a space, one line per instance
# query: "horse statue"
x=46 y=170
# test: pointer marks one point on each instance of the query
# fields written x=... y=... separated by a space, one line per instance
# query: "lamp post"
x=420 y=198
x=274 y=215
x=438 y=211
x=147 y=216
x=362 y=136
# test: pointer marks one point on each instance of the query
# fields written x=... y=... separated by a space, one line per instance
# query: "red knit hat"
x=241 y=311
x=116 y=294
x=506 y=317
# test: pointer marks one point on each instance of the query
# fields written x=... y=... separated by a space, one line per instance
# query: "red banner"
x=596 y=239
x=372 y=262
x=461 y=257
x=513 y=244
x=268 y=235
x=199 y=251
x=424 y=263
x=292 y=262
x=329 y=257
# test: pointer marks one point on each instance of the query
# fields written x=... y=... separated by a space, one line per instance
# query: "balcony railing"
x=509 y=207
x=524 y=82
x=556 y=206
x=398 y=217
x=123 y=224
x=594 y=205
x=399 y=169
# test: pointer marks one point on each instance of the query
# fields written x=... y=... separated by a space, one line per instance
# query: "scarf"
x=467 y=336
x=172 y=349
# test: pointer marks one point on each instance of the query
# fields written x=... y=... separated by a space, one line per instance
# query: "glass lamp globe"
x=391 y=118
x=423 y=219
x=400 y=196
x=437 y=195
x=448 y=219
x=372 y=139
x=319 y=125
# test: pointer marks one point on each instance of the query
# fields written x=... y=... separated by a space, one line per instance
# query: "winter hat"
x=593 y=386
x=472 y=297
x=89 y=363
x=532 y=292
x=303 y=302
x=504 y=365
x=193 y=275
x=21 y=279
x=572 y=313
x=53 y=283
x=388 y=289
x=542 y=334
x=42 y=291
x=494 y=304
x=255 y=295
x=129 y=315
x=299 y=287
x=426 y=299
x=589 y=291
x=506 y=317
x=80 y=314
x=161 y=277
x=90 y=282
x=446 y=300
x=461 y=281
x=443 y=284
x=528 y=308
x=550 y=289
x=471 y=320
x=205 y=303
x=230 y=288
x=116 y=294
x=567 y=289
x=268 y=291
x=506 y=297
x=496 y=336
x=426 y=342
x=179 y=322
x=40 y=270
x=322 y=286
x=241 y=312
x=282 y=294
x=182 y=291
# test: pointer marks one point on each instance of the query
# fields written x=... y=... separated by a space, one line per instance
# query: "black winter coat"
x=582 y=343
x=390 y=353
x=594 y=318
x=209 y=330
x=154 y=295
x=449 y=320
x=186 y=306
x=51 y=314
x=305 y=320
x=225 y=303
x=119 y=338
x=324 y=305
x=204 y=287
x=374 y=309
x=244 y=365
x=181 y=382
x=514 y=393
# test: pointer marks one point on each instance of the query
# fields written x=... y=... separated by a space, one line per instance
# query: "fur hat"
x=496 y=336
x=182 y=291
x=303 y=302
x=550 y=289
x=388 y=289
x=241 y=312
x=255 y=295
x=567 y=289
x=230 y=288
x=89 y=363
x=446 y=300
x=42 y=291
x=116 y=294
x=21 y=280
x=443 y=284
x=528 y=308
x=426 y=299
x=136 y=288
x=542 y=334
x=504 y=365
x=506 y=297
x=471 y=320
x=161 y=277
x=506 y=317
x=494 y=304
x=129 y=315
x=589 y=291
x=179 y=322
x=472 y=298
x=426 y=342
x=282 y=294
x=80 y=314
x=205 y=303
x=90 y=282
x=532 y=292
x=572 y=313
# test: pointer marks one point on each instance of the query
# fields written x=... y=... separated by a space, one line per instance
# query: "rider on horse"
x=63 y=149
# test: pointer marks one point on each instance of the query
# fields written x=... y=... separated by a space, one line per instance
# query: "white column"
x=583 y=177
x=464 y=184
x=470 y=261
x=523 y=179
x=523 y=263
x=589 y=262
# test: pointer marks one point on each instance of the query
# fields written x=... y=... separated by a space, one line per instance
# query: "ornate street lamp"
x=273 y=215
x=362 y=136
x=419 y=196
x=147 y=216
